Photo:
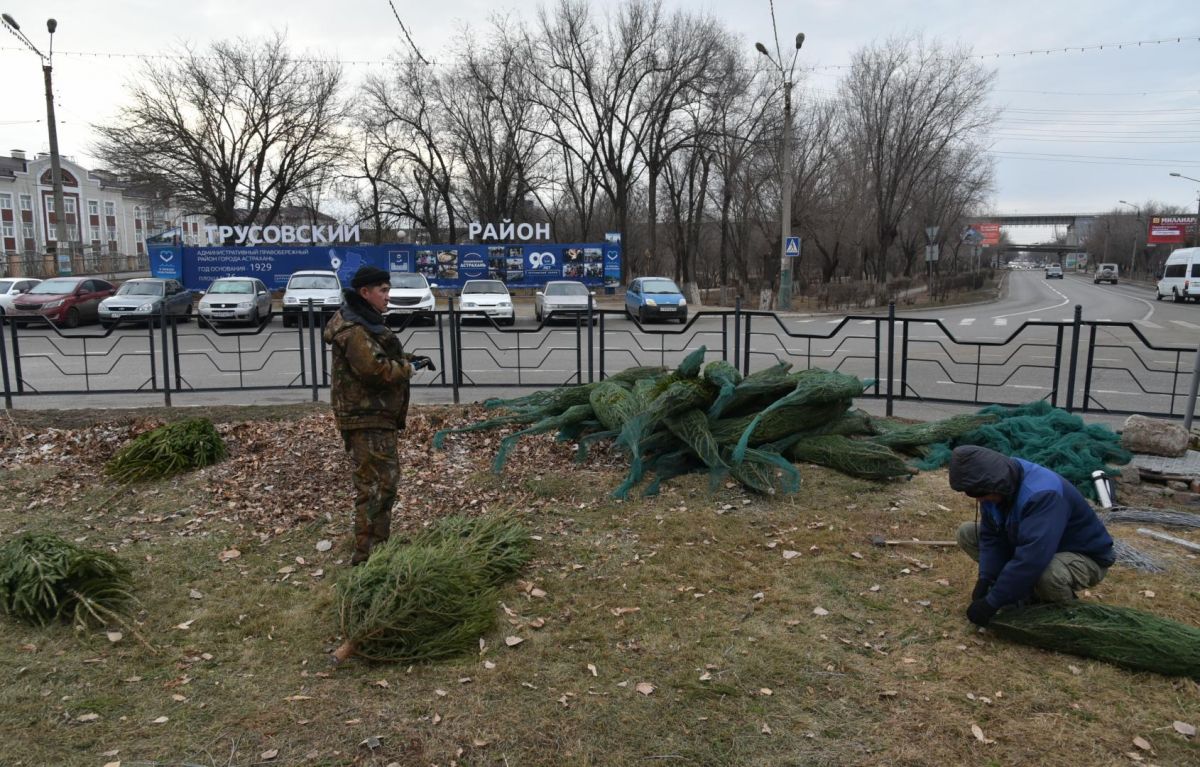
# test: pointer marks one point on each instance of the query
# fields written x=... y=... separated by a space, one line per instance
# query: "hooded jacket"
x=371 y=370
x=1040 y=515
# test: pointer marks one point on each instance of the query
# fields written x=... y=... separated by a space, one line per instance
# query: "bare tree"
x=238 y=129
x=907 y=104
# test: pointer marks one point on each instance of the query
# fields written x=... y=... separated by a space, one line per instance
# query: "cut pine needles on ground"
x=702 y=626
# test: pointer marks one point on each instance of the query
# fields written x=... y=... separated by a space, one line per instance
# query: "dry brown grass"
x=690 y=592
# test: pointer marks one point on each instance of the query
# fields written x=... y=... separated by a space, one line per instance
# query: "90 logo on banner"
x=541 y=260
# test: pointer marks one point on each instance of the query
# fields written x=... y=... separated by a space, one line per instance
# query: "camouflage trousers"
x=1067 y=572
x=376 y=474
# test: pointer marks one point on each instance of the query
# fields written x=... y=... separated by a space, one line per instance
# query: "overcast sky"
x=1079 y=130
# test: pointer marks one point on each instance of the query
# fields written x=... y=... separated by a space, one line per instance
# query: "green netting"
x=1044 y=435
x=764 y=471
x=1118 y=635
x=614 y=404
x=856 y=458
x=814 y=388
x=725 y=377
x=767 y=384
x=573 y=415
x=690 y=367
x=905 y=435
x=691 y=426
x=850 y=424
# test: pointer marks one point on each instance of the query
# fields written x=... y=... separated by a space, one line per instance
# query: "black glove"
x=423 y=363
x=982 y=587
x=980 y=612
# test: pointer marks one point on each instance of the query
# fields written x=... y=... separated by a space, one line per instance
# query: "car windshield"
x=566 y=289
x=313 y=282
x=55 y=287
x=141 y=289
x=408 y=281
x=659 y=286
x=231 y=286
x=6 y=285
x=484 y=286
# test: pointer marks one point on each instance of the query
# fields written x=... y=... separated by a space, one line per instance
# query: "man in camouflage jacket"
x=369 y=393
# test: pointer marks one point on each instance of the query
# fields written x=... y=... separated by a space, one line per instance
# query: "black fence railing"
x=1080 y=365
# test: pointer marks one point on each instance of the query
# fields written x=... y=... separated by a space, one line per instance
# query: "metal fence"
x=1080 y=365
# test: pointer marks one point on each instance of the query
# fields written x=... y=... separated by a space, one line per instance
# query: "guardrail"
x=1080 y=365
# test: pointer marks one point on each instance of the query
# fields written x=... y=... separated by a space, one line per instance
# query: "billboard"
x=1170 y=230
x=989 y=233
x=525 y=265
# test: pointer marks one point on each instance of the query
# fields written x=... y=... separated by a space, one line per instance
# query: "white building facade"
x=107 y=225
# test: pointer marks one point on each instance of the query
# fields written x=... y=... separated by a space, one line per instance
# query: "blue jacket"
x=1018 y=538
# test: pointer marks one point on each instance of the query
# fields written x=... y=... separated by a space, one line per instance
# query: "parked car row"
x=71 y=301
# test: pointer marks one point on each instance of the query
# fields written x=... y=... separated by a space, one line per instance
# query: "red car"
x=65 y=301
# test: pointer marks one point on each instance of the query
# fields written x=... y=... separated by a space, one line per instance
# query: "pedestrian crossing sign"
x=792 y=248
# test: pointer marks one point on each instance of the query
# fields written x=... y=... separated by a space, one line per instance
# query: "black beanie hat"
x=369 y=276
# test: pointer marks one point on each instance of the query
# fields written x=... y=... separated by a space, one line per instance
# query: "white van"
x=1181 y=276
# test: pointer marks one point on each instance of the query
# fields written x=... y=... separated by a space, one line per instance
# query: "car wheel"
x=1175 y=296
x=641 y=316
x=537 y=315
x=187 y=314
x=254 y=316
x=72 y=318
x=1157 y=295
x=683 y=319
x=106 y=324
x=289 y=321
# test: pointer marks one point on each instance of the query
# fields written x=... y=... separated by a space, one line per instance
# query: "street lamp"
x=785 y=163
x=1196 y=231
x=1133 y=252
x=60 y=211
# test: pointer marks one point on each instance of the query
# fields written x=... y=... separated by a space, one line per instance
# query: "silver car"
x=320 y=288
x=562 y=296
x=236 y=299
x=142 y=300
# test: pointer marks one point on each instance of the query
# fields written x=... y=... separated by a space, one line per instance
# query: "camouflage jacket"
x=371 y=370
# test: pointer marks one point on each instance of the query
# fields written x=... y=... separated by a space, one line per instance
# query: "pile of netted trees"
x=709 y=418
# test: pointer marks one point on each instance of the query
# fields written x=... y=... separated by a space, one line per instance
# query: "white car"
x=490 y=297
x=322 y=288
x=235 y=299
x=410 y=293
x=1181 y=277
x=10 y=288
x=563 y=296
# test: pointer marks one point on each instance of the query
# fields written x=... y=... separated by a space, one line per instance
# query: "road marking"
x=1023 y=386
x=1104 y=319
x=967 y=321
x=999 y=322
x=1125 y=393
x=1055 y=291
x=1035 y=319
x=1149 y=324
x=867 y=322
x=1186 y=324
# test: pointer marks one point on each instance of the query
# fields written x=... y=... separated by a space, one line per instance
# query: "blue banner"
x=446 y=266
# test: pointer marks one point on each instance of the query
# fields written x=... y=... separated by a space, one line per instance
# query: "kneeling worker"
x=1037 y=536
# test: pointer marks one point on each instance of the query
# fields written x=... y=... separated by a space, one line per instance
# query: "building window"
x=96 y=233
x=9 y=230
x=110 y=208
x=26 y=202
x=5 y=201
x=49 y=204
x=27 y=230
x=93 y=208
x=112 y=234
x=69 y=205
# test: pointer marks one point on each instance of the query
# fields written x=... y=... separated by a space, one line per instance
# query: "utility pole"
x=60 y=213
x=785 y=164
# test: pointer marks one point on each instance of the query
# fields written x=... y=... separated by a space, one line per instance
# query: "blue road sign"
x=792 y=249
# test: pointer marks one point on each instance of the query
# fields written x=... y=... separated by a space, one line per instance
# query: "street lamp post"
x=60 y=211
x=785 y=162
x=1133 y=251
x=1196 y=231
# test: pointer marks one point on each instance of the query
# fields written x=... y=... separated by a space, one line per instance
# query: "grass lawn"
x=699 y=627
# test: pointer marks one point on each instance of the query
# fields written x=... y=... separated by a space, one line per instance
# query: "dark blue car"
x=655 y=298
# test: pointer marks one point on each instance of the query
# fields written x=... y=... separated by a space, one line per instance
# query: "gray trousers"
x=1067 y=573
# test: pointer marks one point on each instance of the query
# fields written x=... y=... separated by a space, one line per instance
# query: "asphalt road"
x=1004 y=351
